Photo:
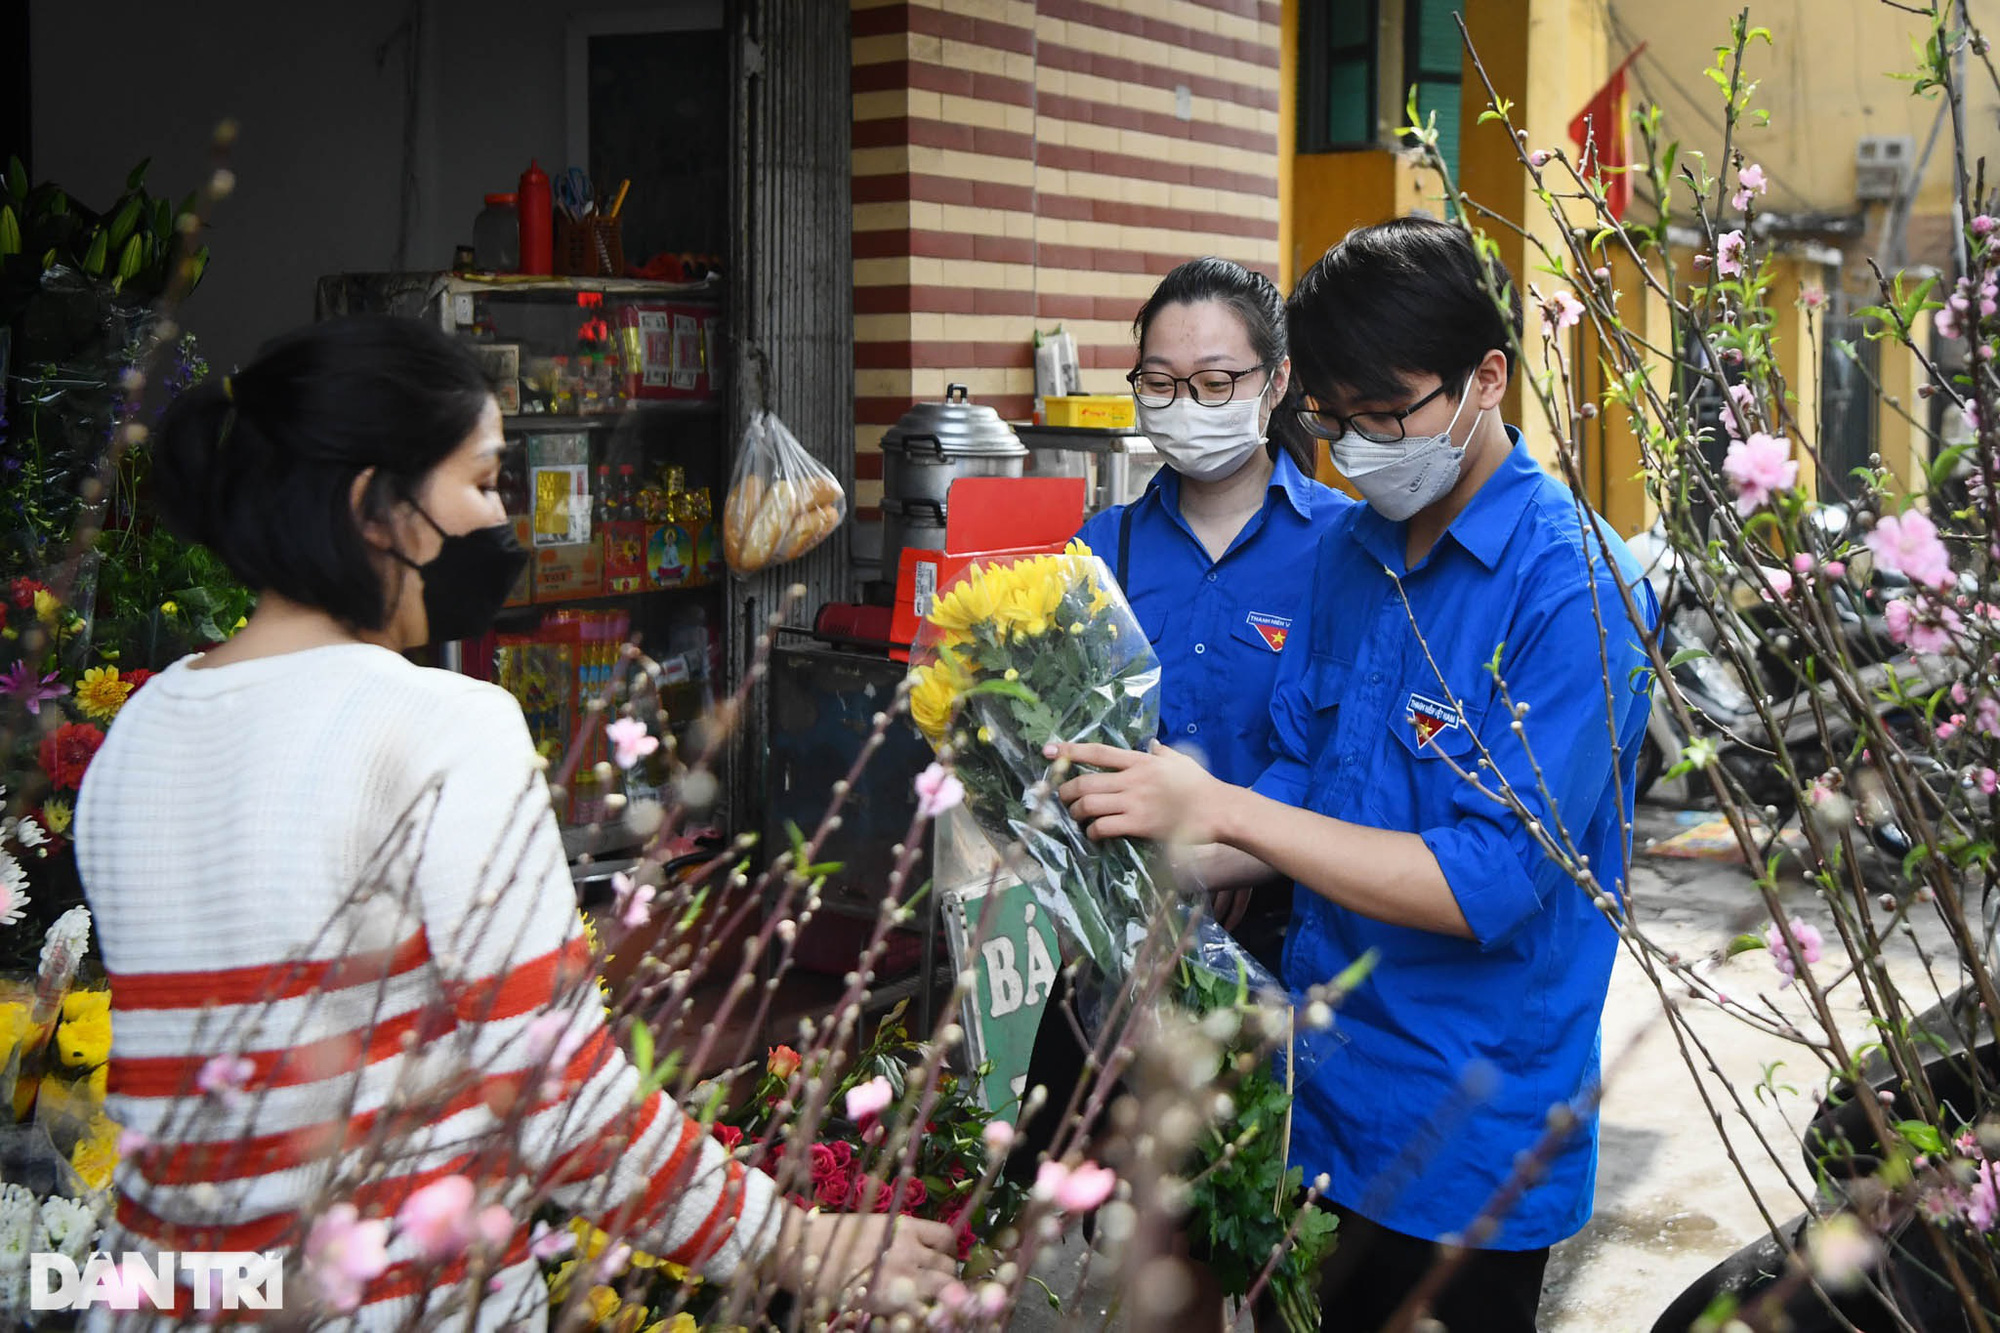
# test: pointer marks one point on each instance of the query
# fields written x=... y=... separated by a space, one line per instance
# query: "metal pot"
x=917 y=523
x=934 y=444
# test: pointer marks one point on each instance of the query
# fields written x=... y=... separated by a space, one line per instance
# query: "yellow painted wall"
x=1824 y=79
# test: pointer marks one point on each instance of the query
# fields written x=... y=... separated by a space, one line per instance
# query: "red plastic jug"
x=535 y=204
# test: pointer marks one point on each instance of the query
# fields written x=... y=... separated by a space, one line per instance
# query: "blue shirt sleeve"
x=1498 y=872
x=1292 y=704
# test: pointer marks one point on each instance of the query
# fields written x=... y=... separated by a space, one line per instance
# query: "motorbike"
x=1724 y=666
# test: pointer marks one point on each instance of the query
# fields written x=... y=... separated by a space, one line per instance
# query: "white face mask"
x=1205 y=443
x=1399 y=479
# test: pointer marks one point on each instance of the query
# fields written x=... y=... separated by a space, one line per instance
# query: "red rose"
x=872 y=1195
x=22 y=592
x=955 y=1219
x=729 y=1136
x=832 y=1191
x=824 y=1163
x=136 y=677
x=843 y=1155
x=67 y=753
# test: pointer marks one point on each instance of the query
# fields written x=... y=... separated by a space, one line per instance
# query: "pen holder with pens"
x=588 y=247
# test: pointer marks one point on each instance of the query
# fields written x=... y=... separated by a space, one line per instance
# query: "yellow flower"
x=680 y=1323
x=985 y=735
x=1012 y=674
x=934 y=690
x=241 y=621
x=96 y=1153
x=603 y=1303
x=83 y=1037
x=48 y=607
x=590 y=1242
x=168 y=608
x=13 y=1026
x=56 y=816
x=973 y=601
x=100 y=694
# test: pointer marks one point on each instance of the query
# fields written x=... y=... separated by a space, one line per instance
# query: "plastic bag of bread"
x=782 y=501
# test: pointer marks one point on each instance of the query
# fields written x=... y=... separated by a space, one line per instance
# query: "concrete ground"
x=1669 y=1203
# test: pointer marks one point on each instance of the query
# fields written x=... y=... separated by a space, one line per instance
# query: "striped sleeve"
x=500 y=908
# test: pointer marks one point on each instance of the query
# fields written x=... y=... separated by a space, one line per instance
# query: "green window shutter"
x=1433 y=55
x=1337 y=74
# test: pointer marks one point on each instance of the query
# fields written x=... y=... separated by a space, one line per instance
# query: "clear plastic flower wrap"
x=1021 y=650
x=1018 y=651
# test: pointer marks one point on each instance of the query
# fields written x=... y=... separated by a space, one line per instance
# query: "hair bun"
x=190 y=472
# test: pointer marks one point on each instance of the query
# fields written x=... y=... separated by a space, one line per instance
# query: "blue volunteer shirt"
x=1219 y=627
x=1458 y=1048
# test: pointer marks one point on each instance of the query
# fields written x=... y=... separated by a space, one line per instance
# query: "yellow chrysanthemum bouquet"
x=1013 y=654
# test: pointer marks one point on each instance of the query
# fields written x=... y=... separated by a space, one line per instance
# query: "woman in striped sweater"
x=345 y=955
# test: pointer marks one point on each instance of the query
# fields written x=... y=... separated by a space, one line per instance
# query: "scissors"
x=573 y=193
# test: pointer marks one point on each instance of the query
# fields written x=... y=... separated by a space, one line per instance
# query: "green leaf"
x=1921 y=1135
x=127 y=218
x=1686 y=655
x=642 y=1050
x=137 y=175
x=99 y=251
x=1744 y=944
x=1357 y=971
x=10 y=231
x=132 y=260
x=17 y=178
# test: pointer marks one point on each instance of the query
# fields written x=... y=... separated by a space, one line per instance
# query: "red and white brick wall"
x=1020 y=164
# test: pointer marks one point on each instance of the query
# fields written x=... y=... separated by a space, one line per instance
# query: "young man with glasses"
x=1467 y=631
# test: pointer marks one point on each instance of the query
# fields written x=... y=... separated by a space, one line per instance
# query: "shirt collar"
x=1481 y=528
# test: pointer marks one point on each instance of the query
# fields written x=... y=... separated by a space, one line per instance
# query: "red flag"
x=1602 y=131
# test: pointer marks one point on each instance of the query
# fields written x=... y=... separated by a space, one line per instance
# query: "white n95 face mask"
x=1402 y=478
x=1204 y=443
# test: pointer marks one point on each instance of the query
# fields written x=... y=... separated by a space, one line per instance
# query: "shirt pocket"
x=1436 y=740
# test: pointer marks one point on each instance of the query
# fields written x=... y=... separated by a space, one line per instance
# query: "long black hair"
x=259 y=466
x=1255 y=300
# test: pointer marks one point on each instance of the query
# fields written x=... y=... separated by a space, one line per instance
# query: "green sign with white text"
x=1009 y=945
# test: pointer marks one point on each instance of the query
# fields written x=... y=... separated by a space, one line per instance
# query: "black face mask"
x=467 y=582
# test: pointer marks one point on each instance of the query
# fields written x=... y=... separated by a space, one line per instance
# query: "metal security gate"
x=791 y=294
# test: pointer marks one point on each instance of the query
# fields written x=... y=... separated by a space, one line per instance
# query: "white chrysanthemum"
x=17 y=1216
x=65 y=1225
x=24 y=831
x=70 y=934
x=13 y=890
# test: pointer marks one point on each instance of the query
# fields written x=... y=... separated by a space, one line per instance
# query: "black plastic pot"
x=1840 y=1144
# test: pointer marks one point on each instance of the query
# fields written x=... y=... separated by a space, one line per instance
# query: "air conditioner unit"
x=1881 y=165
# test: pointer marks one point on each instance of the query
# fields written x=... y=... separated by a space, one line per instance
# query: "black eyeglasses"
x=1374 y=427
x=1210 y=388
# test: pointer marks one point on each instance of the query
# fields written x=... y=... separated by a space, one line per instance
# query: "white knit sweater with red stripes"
x=340 y=873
